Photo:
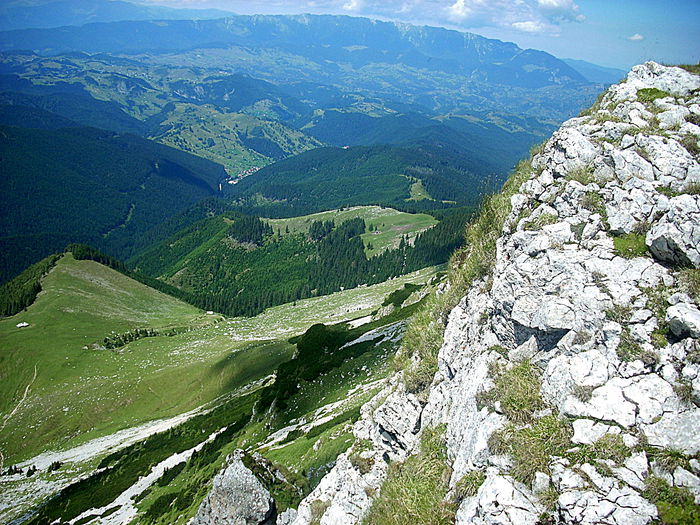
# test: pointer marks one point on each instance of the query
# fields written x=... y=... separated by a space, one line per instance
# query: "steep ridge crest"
x=591 y=310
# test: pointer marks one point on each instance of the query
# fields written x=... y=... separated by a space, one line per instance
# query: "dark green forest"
x=327 y=178
x=92 y=186
x=215 y=272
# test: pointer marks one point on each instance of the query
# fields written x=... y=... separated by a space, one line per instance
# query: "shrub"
x=630 y=245
x=414 y=490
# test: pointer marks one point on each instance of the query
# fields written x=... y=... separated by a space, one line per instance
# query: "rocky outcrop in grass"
x=237 y=498
x=567 y=385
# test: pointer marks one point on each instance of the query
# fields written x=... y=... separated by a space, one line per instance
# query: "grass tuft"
x=414 y=491
x=690 y=143
x=630 y=245
x=628 y=349
x=647 y=95
x=518 y=391
x=540 y=221
x=582 y=175
x=469 y=484
x=618 y=313
x=364 y=465
x=532 y=447
x=609 y=447
x=676 y=505
x=689 y=281
x=583 y=393
x=593 y=202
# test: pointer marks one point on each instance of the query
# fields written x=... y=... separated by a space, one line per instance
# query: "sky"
x=614 y=33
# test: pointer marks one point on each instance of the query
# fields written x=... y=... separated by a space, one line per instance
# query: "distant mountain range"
x=20 y=15
x=596 y=73
x=426 y=67
x=421 y=118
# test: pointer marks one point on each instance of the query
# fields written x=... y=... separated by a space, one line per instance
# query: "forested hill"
x=88 y=185
x=483 y=146
x=327 y=178
x=235 y=265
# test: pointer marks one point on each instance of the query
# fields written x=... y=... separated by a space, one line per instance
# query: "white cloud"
x=561 y=10
x=353 y=5
x=530 y=26
x=530 y=16
x=635 y=37
x=459 y=11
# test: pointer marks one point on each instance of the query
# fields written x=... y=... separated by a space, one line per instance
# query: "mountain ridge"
x=555 y=375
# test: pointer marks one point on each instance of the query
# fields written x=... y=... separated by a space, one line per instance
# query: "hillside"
x=385 y=226
x=486 y=145
x=555 y=379
x=239 y=265
x=90 y=186
x=326 y=178
x=234 y=120
x=71 y=395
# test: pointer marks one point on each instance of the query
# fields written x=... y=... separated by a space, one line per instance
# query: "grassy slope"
x=80 y=394
x=213 y=134
x=391 y=224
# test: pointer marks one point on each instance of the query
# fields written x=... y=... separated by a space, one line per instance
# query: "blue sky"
x=616 y=33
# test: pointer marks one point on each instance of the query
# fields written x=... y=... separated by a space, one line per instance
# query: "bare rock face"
x=236 y=498
x=612 y=335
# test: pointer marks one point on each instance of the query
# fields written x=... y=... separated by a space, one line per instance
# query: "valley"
x=101 y=401
x=319 y=269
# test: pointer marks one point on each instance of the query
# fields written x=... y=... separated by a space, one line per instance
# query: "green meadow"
x=385 y=226
x=80 y=392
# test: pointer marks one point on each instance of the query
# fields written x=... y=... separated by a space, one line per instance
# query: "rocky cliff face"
x=569 y=378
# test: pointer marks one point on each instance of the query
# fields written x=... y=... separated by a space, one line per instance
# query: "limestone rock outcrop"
x=236 y=498
x=590 y=289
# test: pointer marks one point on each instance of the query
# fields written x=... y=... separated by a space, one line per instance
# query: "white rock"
x=236 y=498
x=676 y=430
x=684 y=320
x=587 y=431
x=676 y=237
x=500 y=501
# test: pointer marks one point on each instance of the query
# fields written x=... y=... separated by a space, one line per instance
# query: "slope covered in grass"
x=80 y=391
